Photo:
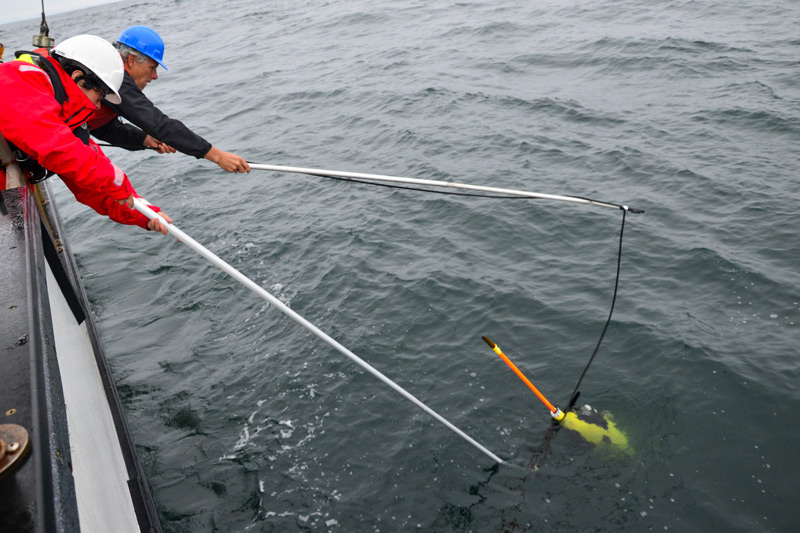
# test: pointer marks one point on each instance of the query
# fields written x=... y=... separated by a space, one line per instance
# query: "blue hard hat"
x=144 y=40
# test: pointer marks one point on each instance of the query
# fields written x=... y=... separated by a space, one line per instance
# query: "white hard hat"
x=98 y=56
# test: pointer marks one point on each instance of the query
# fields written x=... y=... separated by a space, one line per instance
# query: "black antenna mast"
x=43 y=40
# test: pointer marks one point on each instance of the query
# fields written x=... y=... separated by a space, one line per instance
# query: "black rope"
x=453 y=193
x=127 y=146
x=419 y=189
x=575 y=393
x=476 y=195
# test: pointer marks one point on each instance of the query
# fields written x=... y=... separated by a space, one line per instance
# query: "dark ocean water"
x=246 y=422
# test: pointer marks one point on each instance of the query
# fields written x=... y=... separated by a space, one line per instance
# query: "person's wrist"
x=214 y=155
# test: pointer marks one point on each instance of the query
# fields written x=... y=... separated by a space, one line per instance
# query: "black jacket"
x=140 y=111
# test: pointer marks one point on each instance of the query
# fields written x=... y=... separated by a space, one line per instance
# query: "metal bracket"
x=14 y=445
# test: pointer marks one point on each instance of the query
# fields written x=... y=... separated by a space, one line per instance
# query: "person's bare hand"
x=233 y=163
x=227 y=161
x=127 y=201
x=158 y=146
x=155 y=224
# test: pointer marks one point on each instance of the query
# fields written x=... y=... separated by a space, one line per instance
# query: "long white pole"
x=436 y=183
x=143 y=208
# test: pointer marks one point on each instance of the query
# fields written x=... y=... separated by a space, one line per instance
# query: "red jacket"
x=32 y=119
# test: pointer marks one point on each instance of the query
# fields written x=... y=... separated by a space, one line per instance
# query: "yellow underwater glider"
x=595 y=428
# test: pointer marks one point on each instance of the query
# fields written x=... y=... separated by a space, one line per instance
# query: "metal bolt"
x=12 y=447
x=10 y=412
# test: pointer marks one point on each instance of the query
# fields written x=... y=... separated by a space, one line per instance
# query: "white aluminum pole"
x=143 y=208
x=435 y=183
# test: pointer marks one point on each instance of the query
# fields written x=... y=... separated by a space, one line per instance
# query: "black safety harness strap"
x=38 y=172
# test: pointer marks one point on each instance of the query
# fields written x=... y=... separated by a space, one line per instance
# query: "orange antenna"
x=555 y=411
